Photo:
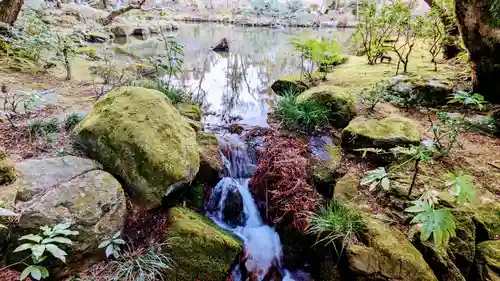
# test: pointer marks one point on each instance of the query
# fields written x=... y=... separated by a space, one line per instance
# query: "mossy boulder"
x=200 y=249
x=341 y=104
x=210 y=160
x=385 y=133
x=7 y=169
x=417 y=91
x=487 y=261
x=486 y=216
x=49 y=191
x=453 y=261
x=386 y=254
x=347 y=191
x=324 y=171
x=138 y=135
x=189 y=110
x=288 y=84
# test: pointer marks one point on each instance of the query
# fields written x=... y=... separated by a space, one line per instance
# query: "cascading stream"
x=262 y=244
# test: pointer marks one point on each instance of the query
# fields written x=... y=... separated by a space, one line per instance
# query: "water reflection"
x=235 y=85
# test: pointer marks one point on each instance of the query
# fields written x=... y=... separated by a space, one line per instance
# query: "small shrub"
x=143 y=264
x=469 y=100
x=375 y=178
x=112 y=245
x=445 y=133
x=48 y=241
x=72 y=120
x=334 y=222
x=374 y=95
x=43 y=127
x=307 y=114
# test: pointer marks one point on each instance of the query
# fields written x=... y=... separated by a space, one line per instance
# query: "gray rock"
x=39 y=175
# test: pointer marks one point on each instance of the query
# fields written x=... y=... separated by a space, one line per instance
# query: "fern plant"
x=112 y=245
x=440 y=223
x=43 y=244
x=375 y=178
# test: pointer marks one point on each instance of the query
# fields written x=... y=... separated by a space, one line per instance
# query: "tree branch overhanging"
x=119 y=12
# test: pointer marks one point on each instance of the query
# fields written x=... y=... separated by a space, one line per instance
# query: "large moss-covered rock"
x=137 y=134
x=290 y=84
x=386 y=254
x=385 y=133
x=453 y=261
x=416 y=91
x=210 y=160
x=487 y=261
x=324 y=171
x=486 y=216
x=7 y=169
x=341 y=104
x=201 y=251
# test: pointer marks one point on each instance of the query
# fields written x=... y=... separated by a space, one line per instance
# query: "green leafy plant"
x=169 y=63
x=175 y=95
x=72 y=120
x=375 y=178
x=446 y=131
x=333 y=222
x=306 y=114
x=45 y=243
x=143 y=264
x=319 y=53
x=470 y=100
x=112 y=245
x=440 y=223
x=421 y=153
x=374 y=95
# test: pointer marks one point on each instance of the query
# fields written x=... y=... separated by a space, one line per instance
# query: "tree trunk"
x=483 y=43
x=451 y=47
x=121 y=11
x=9 y=9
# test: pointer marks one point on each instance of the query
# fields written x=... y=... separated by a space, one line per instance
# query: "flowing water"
x=235 y=88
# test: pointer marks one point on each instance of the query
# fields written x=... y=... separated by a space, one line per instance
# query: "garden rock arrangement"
x=138 y=134
x=417 y=91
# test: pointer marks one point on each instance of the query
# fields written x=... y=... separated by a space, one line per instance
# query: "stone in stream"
x=200 y=249
x=211 y=167
x=50 y=191
x=222 y=46
x=232 y=207
x=138 y=135
x=341 y=104
x=385 y=133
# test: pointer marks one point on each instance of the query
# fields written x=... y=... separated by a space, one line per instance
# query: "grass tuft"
x=175 y=95
x=43 y=127
x=335 y=222
x=72 y=120
x=303 y=115
x=146 y=264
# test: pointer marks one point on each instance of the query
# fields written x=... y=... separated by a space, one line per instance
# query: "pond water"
x=234 y=86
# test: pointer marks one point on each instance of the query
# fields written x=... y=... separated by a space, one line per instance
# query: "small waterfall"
x=262 y=244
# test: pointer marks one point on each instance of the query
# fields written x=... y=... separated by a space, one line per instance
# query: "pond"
x=234 y=86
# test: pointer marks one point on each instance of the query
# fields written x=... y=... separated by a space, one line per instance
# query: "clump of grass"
x=175 y=95
x=335 y=222
x=146 y=264
x=72 y=120
x=304 y=115
x=43 y=127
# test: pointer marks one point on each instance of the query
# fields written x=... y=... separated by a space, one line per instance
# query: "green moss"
x=287 y=84
x=200 y=250
x=385 y=133
x=487 y=217
x=210 y=161
x=136 y=133
x=341 y=104
x=7 y=169
x=191 y=111
x=88 y=51
x=387 y=253
x=324 y=172
x=488 y=260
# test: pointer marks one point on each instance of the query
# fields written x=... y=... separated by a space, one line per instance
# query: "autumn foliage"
x=282 y=184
